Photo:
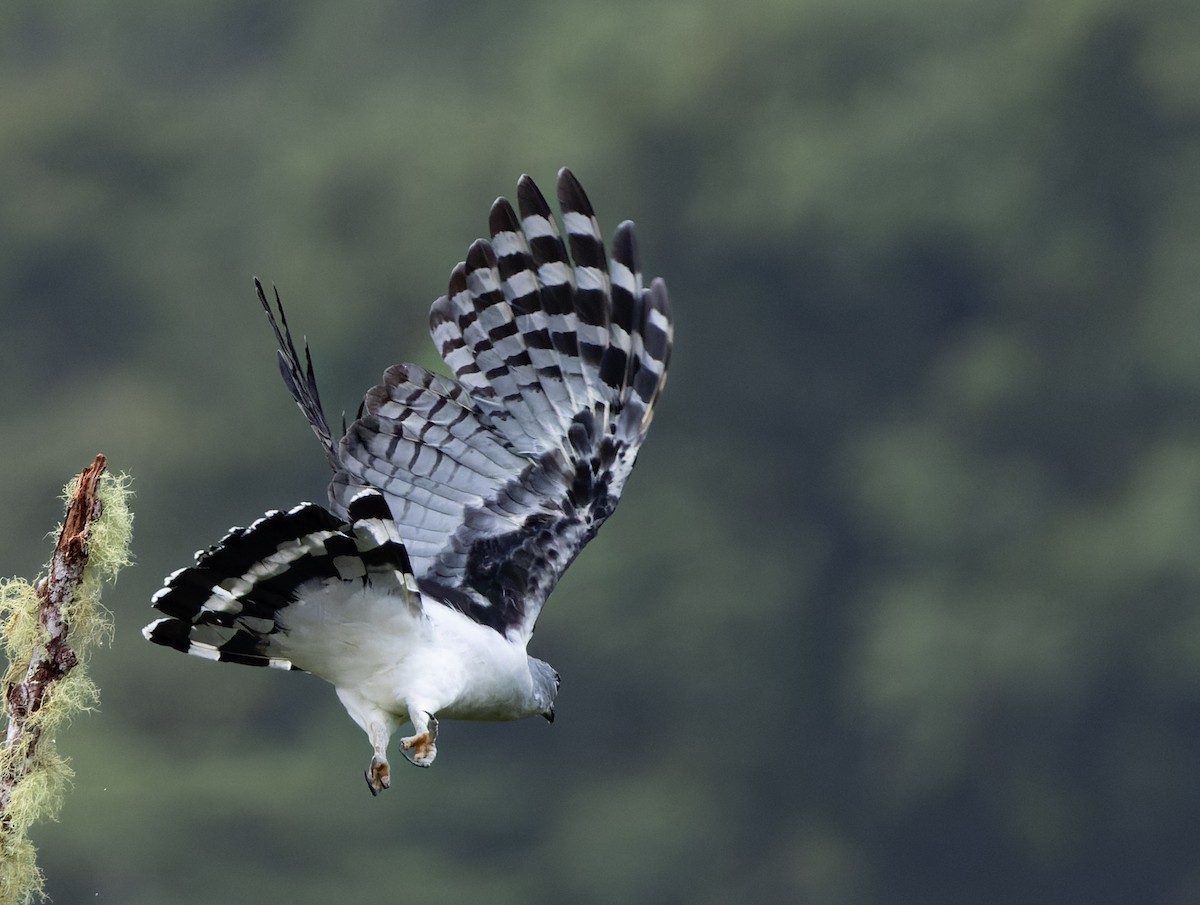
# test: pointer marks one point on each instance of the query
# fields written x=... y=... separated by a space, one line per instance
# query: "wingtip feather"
x=571 y=196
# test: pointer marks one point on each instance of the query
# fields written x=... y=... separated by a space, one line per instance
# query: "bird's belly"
x=491 y=679
x=394 y=656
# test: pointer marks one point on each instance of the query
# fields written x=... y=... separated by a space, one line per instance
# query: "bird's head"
x=545 y=687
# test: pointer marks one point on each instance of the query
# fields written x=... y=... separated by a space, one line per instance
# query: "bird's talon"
x=422 y=744
x=378 y=775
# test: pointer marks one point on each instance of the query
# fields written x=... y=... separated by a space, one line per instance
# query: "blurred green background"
x=903 y=602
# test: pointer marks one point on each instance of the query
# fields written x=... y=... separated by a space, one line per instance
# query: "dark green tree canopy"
x=902 y=603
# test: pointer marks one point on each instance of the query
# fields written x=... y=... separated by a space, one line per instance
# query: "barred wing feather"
x=497 y=477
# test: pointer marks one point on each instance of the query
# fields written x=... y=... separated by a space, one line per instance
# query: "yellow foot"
x=379 y=775
x=420 y=749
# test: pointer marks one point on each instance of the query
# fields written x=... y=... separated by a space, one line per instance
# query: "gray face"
x=545 y=686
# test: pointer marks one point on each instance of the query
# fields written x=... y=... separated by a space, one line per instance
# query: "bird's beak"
x=549 y=715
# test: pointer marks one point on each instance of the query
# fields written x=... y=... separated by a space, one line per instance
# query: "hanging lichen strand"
x=49 y=630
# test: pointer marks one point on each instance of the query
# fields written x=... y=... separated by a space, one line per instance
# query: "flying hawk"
x=456 y=503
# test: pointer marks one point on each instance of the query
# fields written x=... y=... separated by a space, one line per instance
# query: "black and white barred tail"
x=232 y=603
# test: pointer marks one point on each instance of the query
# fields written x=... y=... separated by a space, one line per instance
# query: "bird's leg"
x=419 y=747
x=379 y=774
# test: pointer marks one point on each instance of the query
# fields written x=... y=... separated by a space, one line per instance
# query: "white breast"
x=390 y=654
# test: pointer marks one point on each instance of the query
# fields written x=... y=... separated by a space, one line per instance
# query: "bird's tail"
x=231 y=605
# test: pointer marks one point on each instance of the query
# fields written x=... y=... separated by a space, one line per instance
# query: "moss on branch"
x=49 y=629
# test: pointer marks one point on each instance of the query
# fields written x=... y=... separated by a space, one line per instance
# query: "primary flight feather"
x=456 y=502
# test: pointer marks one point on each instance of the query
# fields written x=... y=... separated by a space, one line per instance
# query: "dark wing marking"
x=498 y=477
x=229 y=605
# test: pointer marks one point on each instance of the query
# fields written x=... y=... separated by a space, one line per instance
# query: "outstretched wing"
x=498 y=477
x=232 y=604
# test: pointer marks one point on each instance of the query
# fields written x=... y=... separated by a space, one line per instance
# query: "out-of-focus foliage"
x=904 y=600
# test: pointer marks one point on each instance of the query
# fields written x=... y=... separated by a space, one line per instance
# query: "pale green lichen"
x=30 y=756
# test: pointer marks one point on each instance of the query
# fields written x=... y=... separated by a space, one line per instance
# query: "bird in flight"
x=456 y=503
